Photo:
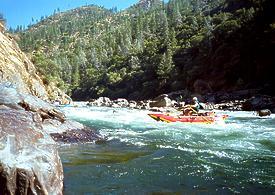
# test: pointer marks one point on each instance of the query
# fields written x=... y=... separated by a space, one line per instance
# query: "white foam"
x=136 y=127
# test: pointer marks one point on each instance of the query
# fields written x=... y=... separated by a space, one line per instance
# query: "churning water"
x=143 y=156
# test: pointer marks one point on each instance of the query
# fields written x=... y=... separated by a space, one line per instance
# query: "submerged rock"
x=76 y=136
x=70 y=132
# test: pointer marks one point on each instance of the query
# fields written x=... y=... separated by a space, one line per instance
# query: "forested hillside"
x=153 y=48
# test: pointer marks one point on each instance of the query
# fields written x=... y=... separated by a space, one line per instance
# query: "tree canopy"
x=139 y=53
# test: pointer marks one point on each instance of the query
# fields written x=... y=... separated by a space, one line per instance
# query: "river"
x=143 y=156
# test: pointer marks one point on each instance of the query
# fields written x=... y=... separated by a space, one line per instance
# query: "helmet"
x=195 y=98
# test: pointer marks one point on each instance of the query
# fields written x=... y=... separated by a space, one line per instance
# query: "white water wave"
x=239 y=132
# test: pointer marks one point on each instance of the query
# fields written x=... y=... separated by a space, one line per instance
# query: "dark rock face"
x=201 y=87
x=259 y=102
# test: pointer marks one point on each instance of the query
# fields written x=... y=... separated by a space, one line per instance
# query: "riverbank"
x=244 y=100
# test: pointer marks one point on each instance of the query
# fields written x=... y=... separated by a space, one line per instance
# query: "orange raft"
x=187 y=119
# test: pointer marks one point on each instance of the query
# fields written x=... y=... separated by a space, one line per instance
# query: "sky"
x=23 y=12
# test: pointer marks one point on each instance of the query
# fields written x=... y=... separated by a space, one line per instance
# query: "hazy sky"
x=21 y=12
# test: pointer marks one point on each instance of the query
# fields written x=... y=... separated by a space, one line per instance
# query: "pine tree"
x=176 y=17
x=166 y=66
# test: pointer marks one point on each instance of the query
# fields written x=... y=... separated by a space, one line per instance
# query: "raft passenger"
x=192 y=109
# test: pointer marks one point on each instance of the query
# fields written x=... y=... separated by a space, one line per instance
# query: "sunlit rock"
x=101 y=101
x=29 y=161
x=121 y=102
x=132 y=104
x=10 y=97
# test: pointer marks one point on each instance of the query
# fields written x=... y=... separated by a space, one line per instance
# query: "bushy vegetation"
x=153 y=48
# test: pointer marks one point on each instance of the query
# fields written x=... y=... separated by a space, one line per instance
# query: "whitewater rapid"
x=233 y=156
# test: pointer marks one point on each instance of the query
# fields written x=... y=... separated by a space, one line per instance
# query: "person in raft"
x=192 y=109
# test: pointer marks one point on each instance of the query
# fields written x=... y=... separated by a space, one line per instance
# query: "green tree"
x=166 y=66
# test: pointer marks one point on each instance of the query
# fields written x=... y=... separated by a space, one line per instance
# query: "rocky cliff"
x=29 y=126
x=19 y=71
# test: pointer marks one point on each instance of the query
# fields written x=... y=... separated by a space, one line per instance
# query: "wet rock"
x=29 y=162
x=161 y=101
x=121 y=102
x=143 y=105
x=12 y=98
x=101 y=101
x=163 y=109
x=264 y=112
x=9 y=96
x=77 y=136
x=157 y=109
x=230 y=105
x=132 y=104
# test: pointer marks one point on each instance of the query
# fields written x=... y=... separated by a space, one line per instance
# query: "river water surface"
x=143 y=156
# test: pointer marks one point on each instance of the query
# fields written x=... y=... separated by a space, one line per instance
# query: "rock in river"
x=29 y=162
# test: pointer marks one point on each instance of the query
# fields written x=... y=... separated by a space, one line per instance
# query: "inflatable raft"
x=187 y=119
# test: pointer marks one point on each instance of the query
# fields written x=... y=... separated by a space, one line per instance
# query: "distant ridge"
x=155 y=47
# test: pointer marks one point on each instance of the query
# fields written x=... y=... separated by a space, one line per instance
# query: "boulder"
x=121 y=102
x=101 y=101
x=132 y=104
x=265 y=112
x=70 y=132
x=161 y=101
x=11 y=97
x=29 y=160
x=143 y=105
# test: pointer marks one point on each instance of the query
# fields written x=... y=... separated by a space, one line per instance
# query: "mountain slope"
x=18 y=71
x=154 y=48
